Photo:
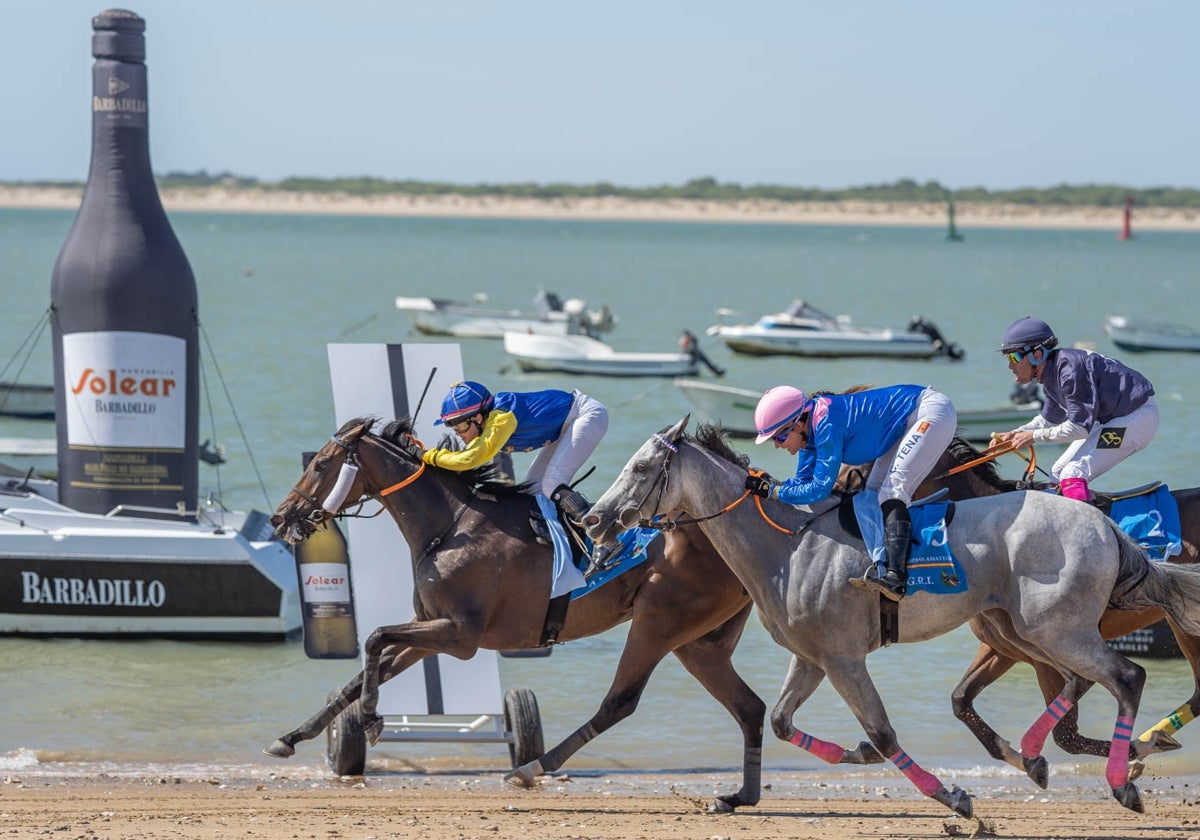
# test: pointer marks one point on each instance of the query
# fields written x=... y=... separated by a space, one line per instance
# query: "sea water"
x=275 y=290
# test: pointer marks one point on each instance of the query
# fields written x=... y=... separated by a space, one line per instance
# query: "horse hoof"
x=957 y=800
x=1038 y=770
x=372 y=728
x=522 y=777
x=864 y=753
x=1136 y=768
x=1129 y=796
x=720 y=806
x=280 y=749
x=1156 y=743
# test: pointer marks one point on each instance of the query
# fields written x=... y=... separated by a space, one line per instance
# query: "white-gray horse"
x=1045 y=566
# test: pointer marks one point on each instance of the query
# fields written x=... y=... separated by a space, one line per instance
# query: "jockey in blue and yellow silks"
x=566 y=426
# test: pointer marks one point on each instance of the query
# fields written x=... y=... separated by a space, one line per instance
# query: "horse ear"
x=676 y=431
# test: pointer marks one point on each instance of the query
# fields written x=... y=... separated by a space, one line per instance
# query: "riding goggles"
x=1015 y=356
x=783 y=434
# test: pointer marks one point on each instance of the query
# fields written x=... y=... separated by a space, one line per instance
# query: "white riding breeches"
x=557 y=463
x=900 y=470
x=1108 y=445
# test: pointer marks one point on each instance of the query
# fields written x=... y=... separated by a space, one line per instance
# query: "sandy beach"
x=968 y=215
x=472 y=806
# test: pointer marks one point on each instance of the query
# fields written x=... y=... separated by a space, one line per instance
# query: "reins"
x=993 y=452
x=671 y=524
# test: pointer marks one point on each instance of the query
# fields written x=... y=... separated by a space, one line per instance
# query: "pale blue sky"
x=634 y=92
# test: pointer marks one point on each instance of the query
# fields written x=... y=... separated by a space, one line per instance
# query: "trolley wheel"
x=524 y=723
x=346 y=742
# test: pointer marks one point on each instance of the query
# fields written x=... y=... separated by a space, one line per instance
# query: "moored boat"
x=551 y=316
x=804 y=330
x=32 y=402
x=1137 y=336
x=586 y=355
x=66 y=573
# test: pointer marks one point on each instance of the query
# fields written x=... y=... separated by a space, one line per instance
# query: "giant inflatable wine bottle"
x=123 y=310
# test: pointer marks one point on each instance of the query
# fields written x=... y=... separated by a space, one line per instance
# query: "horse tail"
x=1144 y=584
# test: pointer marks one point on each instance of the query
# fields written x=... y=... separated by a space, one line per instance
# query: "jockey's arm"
x=497 y=429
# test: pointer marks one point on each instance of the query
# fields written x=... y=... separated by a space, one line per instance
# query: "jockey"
x=904 y=429
x=565 y=426
x=1105 y=410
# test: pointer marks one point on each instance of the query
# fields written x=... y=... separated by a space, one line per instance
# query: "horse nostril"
x=590 y=520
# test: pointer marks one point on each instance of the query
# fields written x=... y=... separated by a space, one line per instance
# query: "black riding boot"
x=571 y=503
x=897 y=529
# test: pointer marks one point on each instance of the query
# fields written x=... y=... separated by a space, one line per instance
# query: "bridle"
x=335 y=505
x=631 y=516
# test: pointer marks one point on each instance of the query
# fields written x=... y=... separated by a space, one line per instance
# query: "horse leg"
x=987 y=667
x=442 y=635
x=1158 y=737
x=710 y=660
x=1087 y=660
x=801 y=681
x=855 y=687
x=284 y=746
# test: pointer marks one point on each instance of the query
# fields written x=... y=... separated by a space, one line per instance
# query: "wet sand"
x=927 y=214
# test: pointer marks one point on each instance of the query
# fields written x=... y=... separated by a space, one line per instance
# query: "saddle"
x=1104 y=501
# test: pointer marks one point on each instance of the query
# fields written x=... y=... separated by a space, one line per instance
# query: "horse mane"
x=714 y=439
x=487 y=478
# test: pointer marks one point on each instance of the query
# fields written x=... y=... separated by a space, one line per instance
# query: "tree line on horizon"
x=708 y=189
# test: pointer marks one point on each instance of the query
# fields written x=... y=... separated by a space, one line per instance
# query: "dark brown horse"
x=995 y=656
x=483 y=581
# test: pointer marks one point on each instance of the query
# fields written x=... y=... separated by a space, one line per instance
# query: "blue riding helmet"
x=1028 y=334
x=465 y=399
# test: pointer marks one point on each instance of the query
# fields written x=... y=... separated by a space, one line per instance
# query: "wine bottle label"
x=325 y=583
x=125 y=389
x=120 y=95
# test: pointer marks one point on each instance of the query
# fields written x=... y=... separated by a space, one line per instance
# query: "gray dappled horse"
x=483 y=581
x=1049 y=568
x=996 y=656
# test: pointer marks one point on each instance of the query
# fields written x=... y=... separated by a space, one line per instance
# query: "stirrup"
x=870 y=580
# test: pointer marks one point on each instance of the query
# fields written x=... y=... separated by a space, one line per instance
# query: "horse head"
x=330 y=478
x=640 y=491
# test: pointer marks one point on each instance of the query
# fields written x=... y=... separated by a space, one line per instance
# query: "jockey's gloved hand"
x=759 y=485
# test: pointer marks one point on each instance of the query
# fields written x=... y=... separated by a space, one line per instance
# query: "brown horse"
x=483 y=581
x=995 y=656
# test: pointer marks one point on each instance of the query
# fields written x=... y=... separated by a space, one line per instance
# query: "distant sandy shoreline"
x=910 y=214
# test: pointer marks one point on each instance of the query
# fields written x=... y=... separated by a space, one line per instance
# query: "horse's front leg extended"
x=391 y=664
x=854 y=685
x=420 y=638
x=987 y=667
x=801 y=681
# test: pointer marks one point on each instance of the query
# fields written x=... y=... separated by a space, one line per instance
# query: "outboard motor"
x=941 y=347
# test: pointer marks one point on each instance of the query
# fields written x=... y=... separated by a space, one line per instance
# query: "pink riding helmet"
x=778 y=406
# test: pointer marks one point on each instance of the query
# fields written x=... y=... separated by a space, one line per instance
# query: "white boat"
x=584 y=354
x=66 y=573
x=1136 y=336
x=32 y=402
x=733 y=408
x=475 y=320
x=804 y=330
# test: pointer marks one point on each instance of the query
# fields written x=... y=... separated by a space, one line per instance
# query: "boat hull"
x=65 y=573
x=583 y=355
x=775 y=341
x=1143 y=336
x=31 y=402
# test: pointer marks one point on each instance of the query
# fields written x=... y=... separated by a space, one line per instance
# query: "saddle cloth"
x=1152 y=519
x=932 y=567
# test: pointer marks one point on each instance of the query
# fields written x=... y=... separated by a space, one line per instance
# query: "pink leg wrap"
x=1035 y=738
x=926 y=782
x=827 y=752
x=1075 y=488
x=1117 y=771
